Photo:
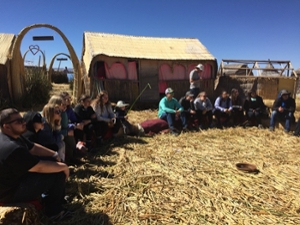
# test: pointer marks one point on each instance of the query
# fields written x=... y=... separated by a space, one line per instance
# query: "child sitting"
x=121 y=116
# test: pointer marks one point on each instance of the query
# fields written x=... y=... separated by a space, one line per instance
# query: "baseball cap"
x=169 y=91
x=199 y=66
x=284 y=92
x=189 y=93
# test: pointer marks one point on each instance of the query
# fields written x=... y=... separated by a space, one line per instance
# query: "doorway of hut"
x=100 y=75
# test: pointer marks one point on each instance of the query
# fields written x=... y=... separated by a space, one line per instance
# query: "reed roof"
x=127 y=46
x=6 y=41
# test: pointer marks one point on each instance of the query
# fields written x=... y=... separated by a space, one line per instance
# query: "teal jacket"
x=168 y=106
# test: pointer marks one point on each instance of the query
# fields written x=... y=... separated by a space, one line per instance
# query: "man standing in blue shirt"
x=170 y=109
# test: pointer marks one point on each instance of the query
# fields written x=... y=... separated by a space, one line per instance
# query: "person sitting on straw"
x=121 y=115
x=223 y=108
x=283 y=108
x=187 y=102
x=254 y=107
x=203 y=107
x=170 y=110
x=237 y=107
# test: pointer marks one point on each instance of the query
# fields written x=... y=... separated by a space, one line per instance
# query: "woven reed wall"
x=122 y=90
x=4 y=89
x=266 y=87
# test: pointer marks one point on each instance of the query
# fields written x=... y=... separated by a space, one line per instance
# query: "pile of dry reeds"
x=190 y=179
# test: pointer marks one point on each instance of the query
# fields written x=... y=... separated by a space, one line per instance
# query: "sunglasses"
x=57 y=112
x=19 y=121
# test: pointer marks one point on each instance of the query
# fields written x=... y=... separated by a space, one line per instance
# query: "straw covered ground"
x=189 y=179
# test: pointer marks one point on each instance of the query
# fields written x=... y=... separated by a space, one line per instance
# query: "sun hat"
x=199 y=66
x=247 y=167
x=189 y=93
x=121 y=104
x=169 y=91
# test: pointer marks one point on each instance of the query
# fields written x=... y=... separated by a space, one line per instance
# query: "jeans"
x=170 y=118
x=255 y=114
x=195 y=91
x=207 y=115
x=33 y=185
x=287 y=116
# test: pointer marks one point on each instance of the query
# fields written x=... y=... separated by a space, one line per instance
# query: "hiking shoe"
x=271 y=128
x=62 y=216
x=174 y=132
x=286 y=131
x=260 y=126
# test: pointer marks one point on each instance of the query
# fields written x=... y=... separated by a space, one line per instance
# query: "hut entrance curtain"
x=132 y=73
x=116 y=71
x=166 y=73
x=206 y=73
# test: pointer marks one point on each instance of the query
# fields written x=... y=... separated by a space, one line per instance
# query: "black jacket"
x=257 y=105
x=289 y=105
x=187 y=105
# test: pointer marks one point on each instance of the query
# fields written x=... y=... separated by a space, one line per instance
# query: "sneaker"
x=62 y=216
x=260 y=126
x=286 y=131
x=271 y=128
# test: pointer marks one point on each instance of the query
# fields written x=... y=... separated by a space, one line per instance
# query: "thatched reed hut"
x=6 y=42
x=124 y=65
x=259 y=75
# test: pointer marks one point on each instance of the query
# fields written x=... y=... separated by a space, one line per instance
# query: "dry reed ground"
x=189 y=179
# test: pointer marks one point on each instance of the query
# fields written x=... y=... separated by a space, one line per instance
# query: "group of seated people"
x=197 y=112
x=37 y=147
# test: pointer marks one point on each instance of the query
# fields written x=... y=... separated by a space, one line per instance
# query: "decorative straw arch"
x=52 y=62
x=44 y=60
x=17 y=65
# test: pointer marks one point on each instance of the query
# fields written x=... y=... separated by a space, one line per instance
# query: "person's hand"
x=66 y=172
x=113 y=120
x=280 y=109
x=192 y=112
x=178 y=112
x=79 y=126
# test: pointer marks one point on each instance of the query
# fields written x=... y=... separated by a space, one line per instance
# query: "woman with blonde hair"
x=105 y=113
x=50 y=134
x=66 y=130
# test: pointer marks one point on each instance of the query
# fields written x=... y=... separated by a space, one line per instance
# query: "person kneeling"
x=170 y=110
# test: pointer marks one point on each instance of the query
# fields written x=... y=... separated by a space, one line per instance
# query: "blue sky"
x=230 y=29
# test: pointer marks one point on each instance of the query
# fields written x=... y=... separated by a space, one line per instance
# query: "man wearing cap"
x=170 y=109
x=195 y=79
x=187 y=102
x=23 y=176
x=283 y=108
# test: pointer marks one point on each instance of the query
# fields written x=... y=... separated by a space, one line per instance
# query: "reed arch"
x=52 y=62
x=44 y=60
x=17 y=65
